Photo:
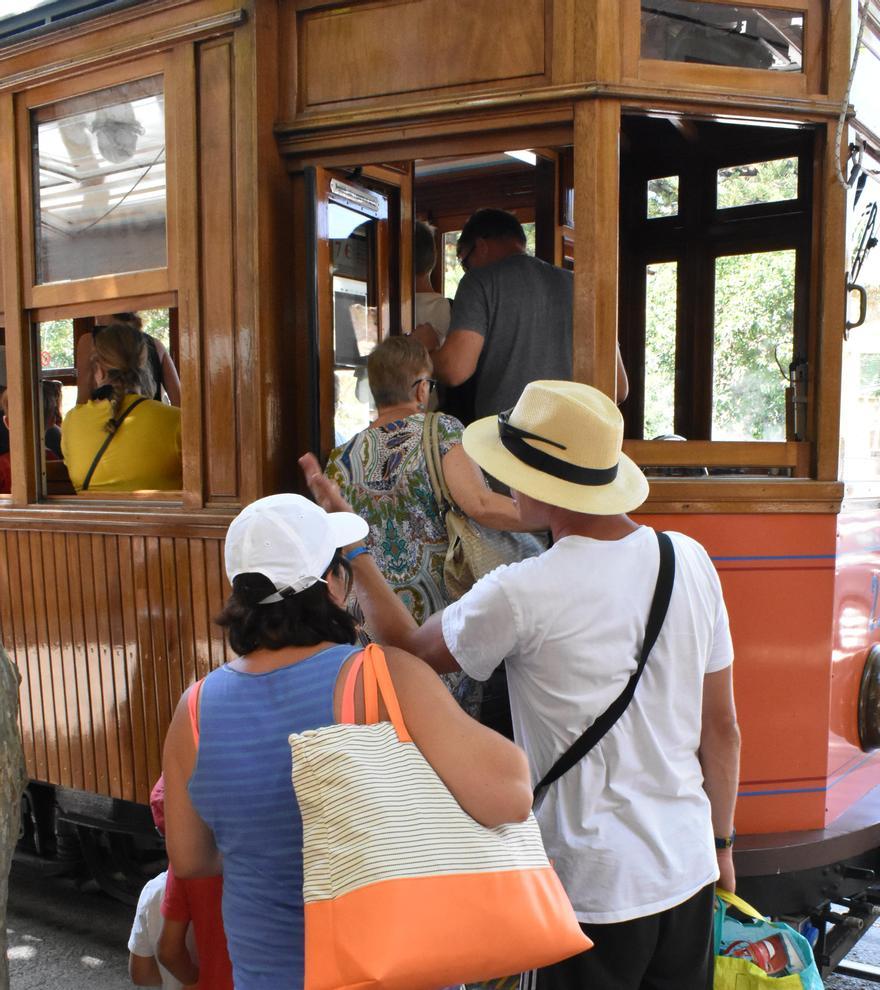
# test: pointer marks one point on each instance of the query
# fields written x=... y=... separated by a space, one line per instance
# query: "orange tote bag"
x=403 y=890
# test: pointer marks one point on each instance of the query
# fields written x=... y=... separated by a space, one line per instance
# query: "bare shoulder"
x=406 y=666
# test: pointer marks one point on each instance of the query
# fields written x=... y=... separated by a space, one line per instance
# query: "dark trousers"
x=671 y=950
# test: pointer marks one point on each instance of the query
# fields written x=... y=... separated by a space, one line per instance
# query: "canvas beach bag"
x=402 y=889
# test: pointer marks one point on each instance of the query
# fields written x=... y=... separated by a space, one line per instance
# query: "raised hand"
x=324 y=491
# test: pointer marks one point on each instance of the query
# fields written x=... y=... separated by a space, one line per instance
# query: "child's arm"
x=173 y=953
x=144 y=971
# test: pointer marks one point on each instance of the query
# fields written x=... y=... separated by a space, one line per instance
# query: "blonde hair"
x=393 y=367
x=121 y=350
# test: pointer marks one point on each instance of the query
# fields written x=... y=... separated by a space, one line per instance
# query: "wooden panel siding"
x=418 y=46
x=107 y=631
x=216 y=207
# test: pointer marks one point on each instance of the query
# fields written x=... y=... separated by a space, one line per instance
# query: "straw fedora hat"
x=561 y=444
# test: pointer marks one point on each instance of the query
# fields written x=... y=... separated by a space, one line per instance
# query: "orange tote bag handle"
x=376 y=673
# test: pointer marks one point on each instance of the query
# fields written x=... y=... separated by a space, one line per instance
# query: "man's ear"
x=6 y=422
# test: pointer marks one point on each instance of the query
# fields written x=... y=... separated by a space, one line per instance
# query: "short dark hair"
x=303 y=619
x=424 y=248
x=489 y=223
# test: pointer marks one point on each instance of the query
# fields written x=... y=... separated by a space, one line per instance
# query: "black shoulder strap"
x=659 y=606
x=106 y=443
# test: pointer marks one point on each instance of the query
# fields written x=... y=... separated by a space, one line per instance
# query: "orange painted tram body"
x=245 y=174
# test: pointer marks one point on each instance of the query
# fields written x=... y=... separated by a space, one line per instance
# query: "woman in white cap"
x=229 y=803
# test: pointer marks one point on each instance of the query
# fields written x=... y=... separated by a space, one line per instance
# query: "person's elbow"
x=143 y=971
x=454 y=375
x=190 y=862
x=510 y=797
x=721 y=734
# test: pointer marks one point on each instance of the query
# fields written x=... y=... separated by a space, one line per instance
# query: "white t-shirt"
x=435 y=309
x=147 y=927
x=629 y=827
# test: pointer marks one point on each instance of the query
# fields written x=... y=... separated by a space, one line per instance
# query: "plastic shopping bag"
x=759 y=954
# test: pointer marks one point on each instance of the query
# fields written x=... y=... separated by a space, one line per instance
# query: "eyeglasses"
x=432 y=383
x=465 y=259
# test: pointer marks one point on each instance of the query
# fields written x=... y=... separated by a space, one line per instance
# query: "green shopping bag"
x=759 y=954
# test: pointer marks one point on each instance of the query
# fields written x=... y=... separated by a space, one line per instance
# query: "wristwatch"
x=725 y=842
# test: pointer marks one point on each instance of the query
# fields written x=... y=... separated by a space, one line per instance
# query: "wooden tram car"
x=252 y=169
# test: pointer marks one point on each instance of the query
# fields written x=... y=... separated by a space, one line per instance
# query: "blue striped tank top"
x=241 y=787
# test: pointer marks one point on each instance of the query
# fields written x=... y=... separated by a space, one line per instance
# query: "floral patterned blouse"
x=383 y=475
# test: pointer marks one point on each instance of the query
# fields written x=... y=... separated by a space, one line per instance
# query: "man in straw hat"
x=640 y=827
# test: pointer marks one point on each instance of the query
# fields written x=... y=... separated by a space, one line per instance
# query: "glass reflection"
x=723 y=34
x=99 y=183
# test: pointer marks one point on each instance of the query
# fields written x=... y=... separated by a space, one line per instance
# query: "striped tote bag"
x=403 y=890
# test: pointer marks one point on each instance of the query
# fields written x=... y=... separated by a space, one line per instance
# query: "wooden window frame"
x=812 y=79
x=94 y=289
x=694 y=238
x=81 y=313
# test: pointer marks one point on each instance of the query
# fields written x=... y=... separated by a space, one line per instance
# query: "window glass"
x=760 y=182
x=355 y=324
x=99 y=183
x=753 y=342
x=145 y=456
x=663 y=197
x=723 y=34
x=57 y=358
x=661 y=285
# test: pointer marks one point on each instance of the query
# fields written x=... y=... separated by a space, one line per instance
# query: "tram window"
x=57 y=358
x=722 y=34
x=152 y=465
x=753 y=345
x=663 y=197
x=99 y=183
x=452 y=270
x=759 y=182
x=661 y=285
x=353 y=243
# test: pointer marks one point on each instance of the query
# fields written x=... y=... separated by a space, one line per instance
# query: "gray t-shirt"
x=522 y=307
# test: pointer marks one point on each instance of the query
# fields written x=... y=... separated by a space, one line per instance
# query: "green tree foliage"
x=762 y=182
x=56 y=344
x=56 y=337
x=754 y=328
x=754 y=316
x=660 y=308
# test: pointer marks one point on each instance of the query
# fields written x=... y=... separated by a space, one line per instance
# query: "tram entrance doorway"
x=362 y=278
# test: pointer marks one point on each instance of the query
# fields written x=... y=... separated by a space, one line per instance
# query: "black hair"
x=303 y=619
x=489 y=223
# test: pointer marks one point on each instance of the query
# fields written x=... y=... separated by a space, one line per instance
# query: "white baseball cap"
x=289 y=540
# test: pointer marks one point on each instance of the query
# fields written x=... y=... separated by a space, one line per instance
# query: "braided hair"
x=121 y=350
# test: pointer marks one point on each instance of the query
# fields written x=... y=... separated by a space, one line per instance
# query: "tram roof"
x=24 y=19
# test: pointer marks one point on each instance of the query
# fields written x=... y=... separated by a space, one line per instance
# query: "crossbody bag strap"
x=192 y=704
x=659 y=607
x=431 y=450
x=106 y=443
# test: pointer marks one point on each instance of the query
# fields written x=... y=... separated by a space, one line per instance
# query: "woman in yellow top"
x=142 y=435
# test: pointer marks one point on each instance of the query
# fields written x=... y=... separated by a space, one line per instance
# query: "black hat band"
x=512 y=438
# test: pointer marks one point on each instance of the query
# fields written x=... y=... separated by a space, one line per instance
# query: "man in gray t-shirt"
x=511 y=317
